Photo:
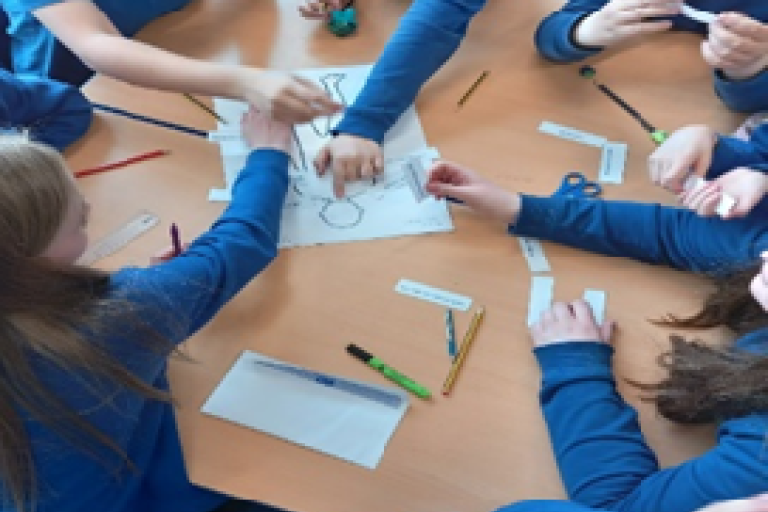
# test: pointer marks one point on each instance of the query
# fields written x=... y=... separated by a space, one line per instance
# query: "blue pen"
x=450 y=333
x=389 y=398
x=150 y=120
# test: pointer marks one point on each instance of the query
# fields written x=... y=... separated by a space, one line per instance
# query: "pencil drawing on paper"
x=312 y=214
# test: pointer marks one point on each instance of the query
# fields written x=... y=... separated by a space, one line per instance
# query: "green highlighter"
x=389 y=372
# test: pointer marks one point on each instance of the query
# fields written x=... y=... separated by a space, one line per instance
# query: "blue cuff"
x=536 y=217
x=363 y=124
x=575 y=359
x=554 y=38
x=749 y=95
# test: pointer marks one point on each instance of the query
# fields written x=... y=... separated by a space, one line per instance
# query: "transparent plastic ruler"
x=118 y=239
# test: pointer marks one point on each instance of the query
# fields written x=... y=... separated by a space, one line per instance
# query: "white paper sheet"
x=698 y=15
x=332 y=421
x=369 y=210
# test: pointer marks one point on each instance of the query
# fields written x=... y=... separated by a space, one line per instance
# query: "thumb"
x=322 y=160
x=607 y=330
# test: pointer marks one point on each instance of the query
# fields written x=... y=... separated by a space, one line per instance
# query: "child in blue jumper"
x=428 y=34
x=54 y=113
x=603 y=458
x=87 y=419
x=736 y=44
x=66 y=39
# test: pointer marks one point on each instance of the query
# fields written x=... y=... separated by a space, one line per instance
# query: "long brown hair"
x=705 y=383
x=45 y=308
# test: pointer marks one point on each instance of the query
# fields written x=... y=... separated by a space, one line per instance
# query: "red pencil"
x=121 y=163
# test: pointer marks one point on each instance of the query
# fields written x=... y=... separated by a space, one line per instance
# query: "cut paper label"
x=542 y=291
x=572 y=134
x=697 y=15
x=534 y=254
x=596 y=300
x=431 y=294
x=726 y=203
x=415 y=175
x=612 y=162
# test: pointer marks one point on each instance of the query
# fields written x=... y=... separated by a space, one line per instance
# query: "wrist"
x=234 y=80
x=510 y=210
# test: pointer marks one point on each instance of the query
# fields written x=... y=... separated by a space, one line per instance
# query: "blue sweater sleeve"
x=731 y=152
x=546 y=506
x=749 y=96
x=191 y=288
x=553 y=35
x=429 y=33
x=56 y=113
x=603 y=458
x=646 y=232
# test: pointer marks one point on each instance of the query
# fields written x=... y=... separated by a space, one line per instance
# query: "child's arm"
x=428 y=34
x=603 y=458
x=554 y=35
x=731 y=152
x=187 y=291
x=646 y=232
x=86 y=30
x=584 y=27
x=56 y=114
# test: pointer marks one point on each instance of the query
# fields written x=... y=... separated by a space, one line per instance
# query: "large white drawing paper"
x=386 y=207
x=333 y=421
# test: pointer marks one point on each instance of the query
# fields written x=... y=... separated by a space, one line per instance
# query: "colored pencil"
x=121 y=163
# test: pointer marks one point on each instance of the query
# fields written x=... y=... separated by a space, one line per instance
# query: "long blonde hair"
x=45 y=309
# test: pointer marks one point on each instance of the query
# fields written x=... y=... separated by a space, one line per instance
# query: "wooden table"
x=487 y=444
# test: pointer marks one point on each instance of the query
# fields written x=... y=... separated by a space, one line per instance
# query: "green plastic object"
x=343 y=23
x=659 y=136
x=587 y=72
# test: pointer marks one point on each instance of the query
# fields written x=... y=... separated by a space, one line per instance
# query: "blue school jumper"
x=56 y=114
x=177 y=298
x=554 y=41
x=35 y=50
x=428 y=34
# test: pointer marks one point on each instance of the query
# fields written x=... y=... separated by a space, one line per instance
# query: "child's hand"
x=350 y=158
x=262 y=132
x=744 y=185
x=165 y=255
x=285 y=97
x=687 y=151
x=737 y=45
x=321 y=9
x=447 y=179
x=569 y=322
x=620 y=20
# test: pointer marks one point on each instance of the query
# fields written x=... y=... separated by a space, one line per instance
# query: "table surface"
x=486 y=444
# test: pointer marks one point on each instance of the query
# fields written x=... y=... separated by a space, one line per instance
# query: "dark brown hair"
x=45 y=309
x=706 y=383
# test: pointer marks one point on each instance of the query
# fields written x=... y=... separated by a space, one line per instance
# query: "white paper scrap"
x=534 y=254
x=726 y=203
x=596 y=300
x=612 y=162
x=542 y=291
x=431 y=294
x=572 y=134
x=314 y=413
x=697 y=15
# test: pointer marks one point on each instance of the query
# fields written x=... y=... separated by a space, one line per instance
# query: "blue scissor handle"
x=575 y=184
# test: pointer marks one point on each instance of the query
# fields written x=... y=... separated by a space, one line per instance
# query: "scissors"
x=575 y=184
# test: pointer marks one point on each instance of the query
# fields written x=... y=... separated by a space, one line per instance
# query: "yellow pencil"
x=472 y=88
x=204 y=107
x=458 y=361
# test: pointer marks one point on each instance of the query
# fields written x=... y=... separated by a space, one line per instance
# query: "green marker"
x=389 y=372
